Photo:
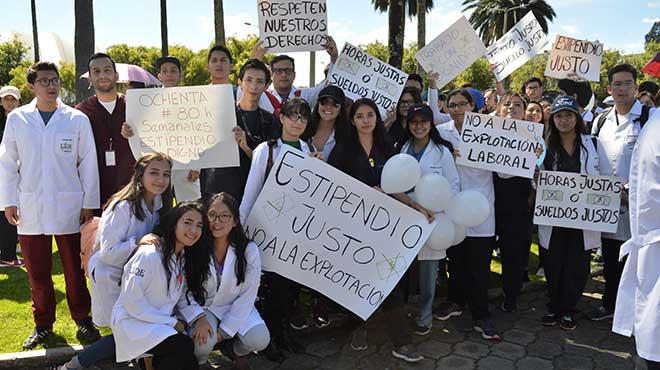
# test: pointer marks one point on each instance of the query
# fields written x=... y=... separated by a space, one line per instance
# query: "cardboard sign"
x=324 y=229
x=578 y=201
x=361 y=75
x=190 y=124
x=520 y=44
x=570 y=57
x=452 y=51
x=499 y=144
x=292 y=25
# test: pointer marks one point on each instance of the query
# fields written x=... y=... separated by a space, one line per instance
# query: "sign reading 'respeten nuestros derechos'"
x=292 y=25
x=322 y=228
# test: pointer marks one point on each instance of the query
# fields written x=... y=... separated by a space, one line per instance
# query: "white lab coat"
x=618 y=143
x=638 y=300
x=438 y=117
x=144 y=313
x=49 y=171
x=184 y=189
x=256 y=177
x=473 y=179
x=593 y=166
x=117 y=235
x=231 y=303
x=436 y=159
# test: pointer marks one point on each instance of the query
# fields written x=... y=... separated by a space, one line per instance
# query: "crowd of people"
x=175 y=282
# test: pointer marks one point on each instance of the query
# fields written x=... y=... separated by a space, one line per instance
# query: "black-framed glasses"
x=297 y=117
x=45 y=82
x=222 y=217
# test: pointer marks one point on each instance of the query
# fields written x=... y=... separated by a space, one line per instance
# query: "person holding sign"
x=278 y=306
x=363 y=157
x=569 y=250
x=469 y=261
x=434 y=155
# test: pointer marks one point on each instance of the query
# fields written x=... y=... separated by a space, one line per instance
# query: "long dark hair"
x=434 y=135
x=553 y=140
x=540 y=106
x=342 y=124
x=237 y=237
x=167 y=231
x=417 y=99
x=382 y=140
x=133 y=192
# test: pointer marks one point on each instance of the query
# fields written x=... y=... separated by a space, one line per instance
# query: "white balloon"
x=433 y=192
x=442 y=235
x=400 y=174
x=460 y=232
x=469 y=208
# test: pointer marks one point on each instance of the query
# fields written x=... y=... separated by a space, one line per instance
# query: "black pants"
x=469 y=274
x=280 y=295
x=652 y=365
x=514 y=241
x=612 y=269
x=175 y=353
x=566 y=269
x=8 y=239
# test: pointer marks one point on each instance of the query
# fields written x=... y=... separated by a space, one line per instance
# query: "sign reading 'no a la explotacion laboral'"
x=292 y=25
x=324 y=229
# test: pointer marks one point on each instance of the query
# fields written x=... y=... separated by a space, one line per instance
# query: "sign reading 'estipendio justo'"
x=292 y=25
x=322 y=228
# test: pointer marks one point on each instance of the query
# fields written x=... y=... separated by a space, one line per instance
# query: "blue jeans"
x=428 y=272
x=102 y=349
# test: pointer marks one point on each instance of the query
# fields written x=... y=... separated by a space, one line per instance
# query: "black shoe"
x=422 y=330
x=274 y=353
x=298 y=323
x=38 y=336
x=600 y=314
x=291 y=343
x=567 y=323
x=549 y=319
x=87 y=332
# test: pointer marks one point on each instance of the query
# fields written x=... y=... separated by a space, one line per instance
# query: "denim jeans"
x=102 y=349
x=428 y=273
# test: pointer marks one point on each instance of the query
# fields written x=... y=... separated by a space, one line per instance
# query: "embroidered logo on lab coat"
x=64 y=144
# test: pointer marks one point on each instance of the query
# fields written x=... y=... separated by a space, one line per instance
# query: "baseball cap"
x=332 y=92
x=565 y=102
x=10 y=90
x=422 y=110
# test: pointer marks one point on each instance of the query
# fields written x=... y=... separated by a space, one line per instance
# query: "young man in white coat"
x=49 y=186
x=638 y=301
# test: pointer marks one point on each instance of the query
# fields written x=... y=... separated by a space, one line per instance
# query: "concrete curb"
x=41 y=357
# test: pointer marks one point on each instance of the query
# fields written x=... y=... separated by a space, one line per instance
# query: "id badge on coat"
x=110 y=158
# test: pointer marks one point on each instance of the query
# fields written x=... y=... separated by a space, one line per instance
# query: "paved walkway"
x=526 y=345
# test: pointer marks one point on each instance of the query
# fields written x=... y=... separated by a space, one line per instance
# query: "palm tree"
x=35 y=34
x=163 y=27
x=493 y=18
x=219 y=16
x=419 y=8
x=83 y=43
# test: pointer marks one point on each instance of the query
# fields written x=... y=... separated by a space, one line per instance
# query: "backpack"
x=88 y=243
x=603 y=116
x=277 y=105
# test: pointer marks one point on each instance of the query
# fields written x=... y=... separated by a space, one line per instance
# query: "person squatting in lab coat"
x=49 y=185
x=144 y=318
x=129 y=214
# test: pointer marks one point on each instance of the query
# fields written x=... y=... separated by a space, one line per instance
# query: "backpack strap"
x=269 y=163
x=646 y=110
x=601 y=120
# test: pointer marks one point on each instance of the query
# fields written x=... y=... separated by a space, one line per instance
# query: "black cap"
x=168 y=59
x=333 y=92
x=422 y=110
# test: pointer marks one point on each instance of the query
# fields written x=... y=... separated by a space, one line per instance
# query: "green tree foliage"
x=12 y=54
x=19 y=79
x=477 y=74
x=654 y=34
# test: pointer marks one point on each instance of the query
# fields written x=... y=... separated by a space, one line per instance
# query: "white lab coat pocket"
x=28 y=210
x=68 y=207
x=65 y=145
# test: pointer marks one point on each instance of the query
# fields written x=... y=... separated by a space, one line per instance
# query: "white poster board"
x=190 y=124
x=578 y=201
x=499 y=144
x=361 y=75
x=520 y=44
x=569 y=57
x=292 y=25
x=323 y=229
x=451 y=52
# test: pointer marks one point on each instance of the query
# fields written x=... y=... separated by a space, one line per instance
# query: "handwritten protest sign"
x=578 y=201
x=452 y=51
x=361 y=75
x=190 y=124
x=322 y=228
x=499 y=144
x=570 y=56
x=520 y=44
x=292 y=25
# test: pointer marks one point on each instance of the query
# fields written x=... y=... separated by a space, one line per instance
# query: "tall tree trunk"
x=421 y=28
x=163 y=28
x=219 y=17
x=396 y=28
x=83 y=44
x=35 y=33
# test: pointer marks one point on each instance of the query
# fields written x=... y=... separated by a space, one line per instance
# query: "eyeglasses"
x=458 y=105
x=283 y=71
x=626 y=84
x=407 y=102
x=329 y=102
x=222 y=217
x=45 y=82
x=297 y=117
x=515 y=105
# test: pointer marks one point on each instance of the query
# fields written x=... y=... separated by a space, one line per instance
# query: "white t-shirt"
x=109 y=106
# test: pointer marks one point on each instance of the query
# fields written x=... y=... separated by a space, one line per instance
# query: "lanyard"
x=249 y=134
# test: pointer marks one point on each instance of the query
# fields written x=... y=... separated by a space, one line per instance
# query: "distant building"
x=51 y=46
